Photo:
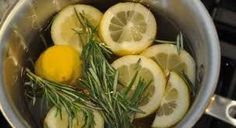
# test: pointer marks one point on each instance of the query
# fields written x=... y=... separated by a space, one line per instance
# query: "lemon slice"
x=167 y=57
x=55 y=120
x=127 y=66
x=128 y=28
x=174 y=104
x=66 y=25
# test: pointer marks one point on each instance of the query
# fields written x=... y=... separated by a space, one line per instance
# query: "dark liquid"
x=167 y=30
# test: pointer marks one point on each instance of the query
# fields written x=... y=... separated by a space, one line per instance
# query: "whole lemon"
x=59 y=63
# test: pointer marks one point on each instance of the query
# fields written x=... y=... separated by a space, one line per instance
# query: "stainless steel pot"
x=22 y=27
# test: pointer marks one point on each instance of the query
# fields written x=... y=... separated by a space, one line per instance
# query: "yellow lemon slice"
x=174 y=104
x=59 y=63
x=127 y=66
x=128 y=28
x=167 y=57
x=55 y=120
x=66 y=25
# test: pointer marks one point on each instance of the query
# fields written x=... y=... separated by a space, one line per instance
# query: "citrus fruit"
x=128 y=28
x=166 y=55
x=55 y=120
x=59 y=63
x=127 y=67
x=66 y=25
x=174 y=104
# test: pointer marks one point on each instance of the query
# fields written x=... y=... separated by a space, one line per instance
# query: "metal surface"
x=5 y=6
x=21 y=28
x=223 y=109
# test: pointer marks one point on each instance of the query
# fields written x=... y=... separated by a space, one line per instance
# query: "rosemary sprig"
x=61 y=96
x=88 y=30
x=101 y=80
x=179 y=42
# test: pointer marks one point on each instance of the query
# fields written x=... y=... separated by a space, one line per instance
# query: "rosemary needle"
x=179 y=42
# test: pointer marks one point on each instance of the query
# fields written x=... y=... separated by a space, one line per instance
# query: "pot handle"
x=223 y=109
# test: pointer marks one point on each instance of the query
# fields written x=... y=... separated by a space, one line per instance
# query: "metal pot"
x=21 y=33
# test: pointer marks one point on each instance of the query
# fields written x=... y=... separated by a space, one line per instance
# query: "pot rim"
x=13 y=117
x=200 y=103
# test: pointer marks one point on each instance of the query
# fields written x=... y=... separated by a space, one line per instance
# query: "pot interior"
x=25 y=33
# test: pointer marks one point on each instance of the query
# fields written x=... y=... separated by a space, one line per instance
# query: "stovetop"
x=223 y=13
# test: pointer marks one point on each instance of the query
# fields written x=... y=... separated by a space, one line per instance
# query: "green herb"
x=88 y=30
x=101 y=80
x=61 y=96
x=179 y=42
x=165 y=42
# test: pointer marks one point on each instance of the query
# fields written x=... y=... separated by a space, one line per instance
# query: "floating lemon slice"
x=128 y=28
x=127 y=66
x=55 y=120
x=167 y=57
x=174 y=104
x=66 y=25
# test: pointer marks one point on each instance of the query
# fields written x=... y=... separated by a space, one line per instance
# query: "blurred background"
x=223 y=13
